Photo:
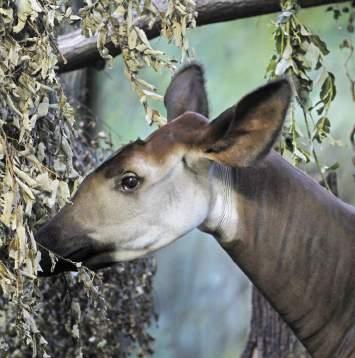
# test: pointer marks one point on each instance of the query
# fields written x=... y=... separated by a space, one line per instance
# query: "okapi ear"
x=186 y=92
x=245 y=133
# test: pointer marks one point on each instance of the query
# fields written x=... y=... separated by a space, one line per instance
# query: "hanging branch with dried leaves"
x=120 y=22
x=300 y=54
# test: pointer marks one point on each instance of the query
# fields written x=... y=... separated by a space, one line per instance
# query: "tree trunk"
x=269 y=336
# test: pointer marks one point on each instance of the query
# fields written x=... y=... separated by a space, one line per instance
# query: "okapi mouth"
x=90 y=258
x=100 y=261
x=93 y=257
x=49 y=268
x=78 y=248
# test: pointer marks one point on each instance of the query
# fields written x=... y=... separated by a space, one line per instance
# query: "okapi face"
x=136 y=202
x=152 y=192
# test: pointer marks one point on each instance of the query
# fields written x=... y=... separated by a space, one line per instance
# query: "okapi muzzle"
x=70 y=234
x=70 y=247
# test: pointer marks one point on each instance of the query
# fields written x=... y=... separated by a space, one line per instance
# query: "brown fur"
x=296 y=242
x=186 y=92
x=246 y=132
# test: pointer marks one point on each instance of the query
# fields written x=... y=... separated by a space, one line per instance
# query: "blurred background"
x=202 y=299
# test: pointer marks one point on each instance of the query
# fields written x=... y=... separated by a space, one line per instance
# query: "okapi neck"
x=296 y=242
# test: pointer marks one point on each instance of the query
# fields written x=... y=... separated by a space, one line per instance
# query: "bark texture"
x=80 y=52
x=269 y=336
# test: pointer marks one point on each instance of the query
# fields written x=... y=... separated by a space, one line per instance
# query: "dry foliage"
x=41 y=161
x=300 y=54
x=120 y=22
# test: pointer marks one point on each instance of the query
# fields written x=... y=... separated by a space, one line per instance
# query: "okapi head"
x=153 y=191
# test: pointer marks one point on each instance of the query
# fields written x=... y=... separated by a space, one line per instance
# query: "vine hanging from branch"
x=300 y=54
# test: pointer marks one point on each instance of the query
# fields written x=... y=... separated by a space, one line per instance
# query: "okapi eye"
x=129 y=182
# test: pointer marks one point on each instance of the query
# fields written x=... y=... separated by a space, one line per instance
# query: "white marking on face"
x=169 y=204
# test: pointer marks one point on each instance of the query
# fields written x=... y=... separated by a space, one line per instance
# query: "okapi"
x=293 y=239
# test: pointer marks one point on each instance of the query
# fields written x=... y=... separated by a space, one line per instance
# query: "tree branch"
x=80 y=52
